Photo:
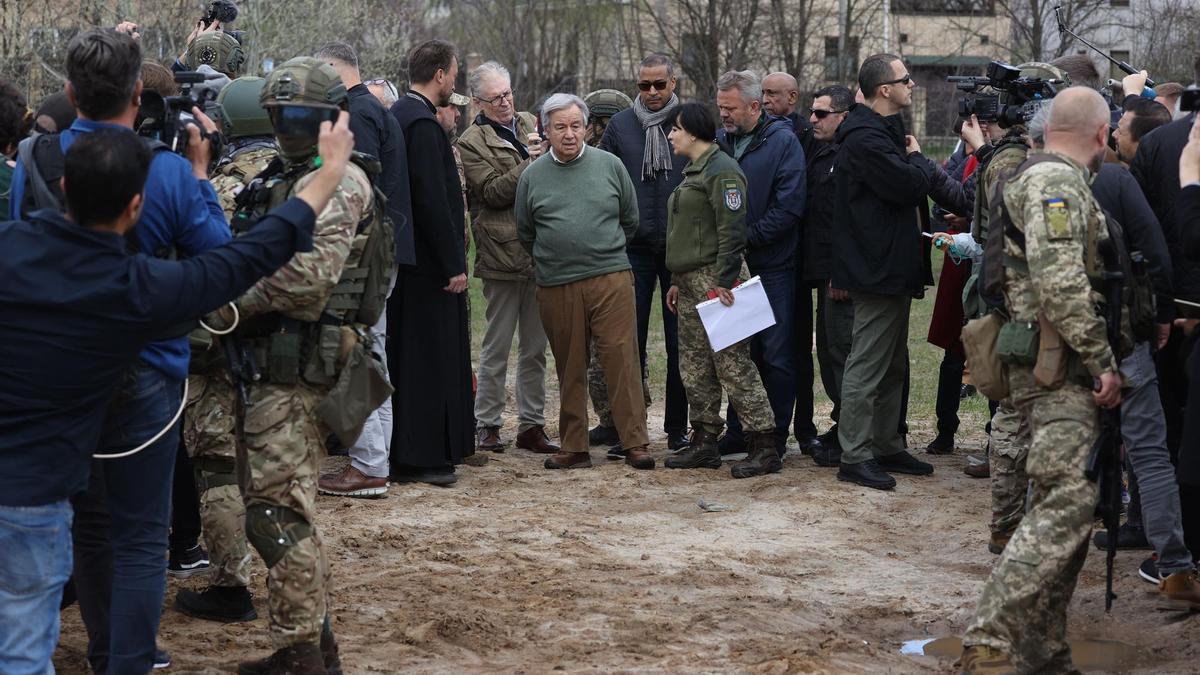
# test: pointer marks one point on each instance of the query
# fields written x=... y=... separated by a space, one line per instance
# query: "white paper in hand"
x=751 y=312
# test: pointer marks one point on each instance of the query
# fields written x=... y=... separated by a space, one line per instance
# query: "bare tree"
x=1035 y=35
x=1168 y=39
x=794 y=23
x=706 y=37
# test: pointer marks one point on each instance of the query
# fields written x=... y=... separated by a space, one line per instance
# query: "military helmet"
x=241 y=112
x=304 y=81
x=607 y=102
x=217 y=49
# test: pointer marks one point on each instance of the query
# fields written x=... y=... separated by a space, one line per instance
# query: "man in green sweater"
x=575 y=208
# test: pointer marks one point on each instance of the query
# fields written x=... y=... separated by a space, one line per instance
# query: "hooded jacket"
x=776 y=187
x=879 y=190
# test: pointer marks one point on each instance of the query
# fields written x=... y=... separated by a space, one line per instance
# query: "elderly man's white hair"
x=745 y=81
x=560 y=101
x=485 y=70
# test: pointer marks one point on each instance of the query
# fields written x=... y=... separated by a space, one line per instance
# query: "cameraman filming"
x=128 y=500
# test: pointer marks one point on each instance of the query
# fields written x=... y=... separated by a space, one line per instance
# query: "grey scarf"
x=657 y=156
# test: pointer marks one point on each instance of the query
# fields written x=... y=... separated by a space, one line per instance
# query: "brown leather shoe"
x=1180 y=592
x=569 y=460
x=981 y=470
x=638 y=458
x=534 y=439
x=352 y=483
x=489 y=439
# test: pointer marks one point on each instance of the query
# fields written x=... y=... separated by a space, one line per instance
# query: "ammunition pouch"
x=1017 y=344
x=362 y=386
x=988 y=373
x=272 y=530
x=283 y=353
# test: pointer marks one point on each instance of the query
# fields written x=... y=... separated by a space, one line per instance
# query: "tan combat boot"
x=1180 y=592
x=984 y=660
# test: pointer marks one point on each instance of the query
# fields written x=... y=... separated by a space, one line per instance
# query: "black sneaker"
x=1129 y=537
x=811 y=445
x=866 y=474
x=161 y=659
x=902 y=462
x=728 y=445
x=678 y=440
x=827 y=456
x=830 y=438
x=616 y=452
x=227 y=604
x=602 y=435
x=188 y=562
x=1148 y=570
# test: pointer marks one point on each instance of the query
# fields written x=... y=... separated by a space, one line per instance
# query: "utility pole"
x=887 y=26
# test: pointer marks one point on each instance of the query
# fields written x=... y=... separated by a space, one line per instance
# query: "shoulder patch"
x=1058 y=218
x=733 y=195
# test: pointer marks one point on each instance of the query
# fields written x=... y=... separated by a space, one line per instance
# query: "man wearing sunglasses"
x=881 y=180
x=638 y=136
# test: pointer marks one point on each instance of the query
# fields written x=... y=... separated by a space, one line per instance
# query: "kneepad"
x=272 y=530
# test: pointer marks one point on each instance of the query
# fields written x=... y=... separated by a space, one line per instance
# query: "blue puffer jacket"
x=625 y=138
x=774 y=165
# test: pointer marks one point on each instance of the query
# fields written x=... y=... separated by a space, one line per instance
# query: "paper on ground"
x=751 y=312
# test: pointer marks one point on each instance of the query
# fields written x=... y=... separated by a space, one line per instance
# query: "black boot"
x=227 y=604
x=602 y=435
x=301 y=659
x=763 y=457
x=701 y=454
x=329 y=649
x=728 y=445
x=866 y=474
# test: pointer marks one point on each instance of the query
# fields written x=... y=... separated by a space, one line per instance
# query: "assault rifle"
x=1104 y=462
x=239 y=359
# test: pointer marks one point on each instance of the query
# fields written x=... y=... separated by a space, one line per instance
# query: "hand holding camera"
x=972 y=134
x=199 y=150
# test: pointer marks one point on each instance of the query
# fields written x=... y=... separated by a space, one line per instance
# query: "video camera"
x=226 y=12
x=1024 y=94
x=167 y=119
x=1189 y=100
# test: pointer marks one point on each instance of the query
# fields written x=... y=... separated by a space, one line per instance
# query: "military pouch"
x=321 y=368
x=283 y=357
x=1017 y=344
x=361 y=388
x=988 y=373
x=1053 y=357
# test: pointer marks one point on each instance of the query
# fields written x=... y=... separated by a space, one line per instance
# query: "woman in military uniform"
x=706 y=235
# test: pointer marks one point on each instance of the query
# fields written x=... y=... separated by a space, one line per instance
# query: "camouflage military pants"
x=706 y=373
x=210 y=437
x=1009 y=443
x=598 y=388
x=279 y=461
x=1023 y=608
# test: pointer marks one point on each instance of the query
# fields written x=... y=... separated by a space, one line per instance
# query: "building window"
x=944 y=7
x=904 y=38
x=1120 y=55
x=983 y=39
x=843 y=69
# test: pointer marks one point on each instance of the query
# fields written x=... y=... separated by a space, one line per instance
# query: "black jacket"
x=1156 y=168
x=816 y=246
x=804 y=133
x=1119 y=194
x=437 y=205
x=625 y=138
x=378 y=134
x=1187 y=214
x=879 y=189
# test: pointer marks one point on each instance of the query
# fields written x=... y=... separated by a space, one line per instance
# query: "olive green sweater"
x=576 y=217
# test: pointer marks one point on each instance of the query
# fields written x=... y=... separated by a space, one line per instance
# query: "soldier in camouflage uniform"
x=209 y=421
x=1021 y=618
x=290 y=320
x=706 y=236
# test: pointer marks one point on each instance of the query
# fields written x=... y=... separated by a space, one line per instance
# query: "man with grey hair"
x=576 y=209
x=773 y=161
x=377 y=134
x=496 y=149
x=384 y=91
x=638 y=137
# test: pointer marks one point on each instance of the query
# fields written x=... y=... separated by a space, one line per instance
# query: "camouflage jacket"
x=1003 y=164
x=231 y=177
x=1052 y=205
x=301 y=288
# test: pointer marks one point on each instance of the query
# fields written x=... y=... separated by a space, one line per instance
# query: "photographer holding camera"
x=128 y=501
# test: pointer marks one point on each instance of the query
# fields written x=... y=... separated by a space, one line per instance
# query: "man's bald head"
x=1078 y=126
x=780 y=94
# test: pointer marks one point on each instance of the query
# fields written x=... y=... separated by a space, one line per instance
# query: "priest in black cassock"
x=429 y=352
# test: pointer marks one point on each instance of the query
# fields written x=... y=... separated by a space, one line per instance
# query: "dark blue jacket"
x=625 y=138
x=180 y=212
x=775 y=171
x=77 y=308
x=378 y=134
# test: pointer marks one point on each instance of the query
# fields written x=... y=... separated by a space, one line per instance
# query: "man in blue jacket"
x=773 y=161
x=881 y=179
x=638 y=137
x=78 y=307
x=181 y=216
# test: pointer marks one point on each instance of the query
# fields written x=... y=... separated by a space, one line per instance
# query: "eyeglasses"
x=495 y=100
x=822 y=114
x=388 y=86
x=904 y=80
x=660 y=85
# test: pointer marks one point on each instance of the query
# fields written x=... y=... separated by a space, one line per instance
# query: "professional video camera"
x=1189 y=100
x=226 y=12
x=1023 y=95
x=167 y=119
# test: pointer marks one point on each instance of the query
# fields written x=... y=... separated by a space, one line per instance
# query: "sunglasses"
x=904 y=80
x=822 y=114
x=660 y=85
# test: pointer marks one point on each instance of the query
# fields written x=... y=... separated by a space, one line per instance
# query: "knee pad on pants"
x=272 y=530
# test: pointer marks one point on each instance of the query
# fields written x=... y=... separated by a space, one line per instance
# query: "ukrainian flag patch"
x=1058 y=218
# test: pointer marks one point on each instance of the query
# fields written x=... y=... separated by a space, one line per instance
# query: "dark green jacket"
x=706 y=217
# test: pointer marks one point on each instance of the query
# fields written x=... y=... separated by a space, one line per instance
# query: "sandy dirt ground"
x=522 y=570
